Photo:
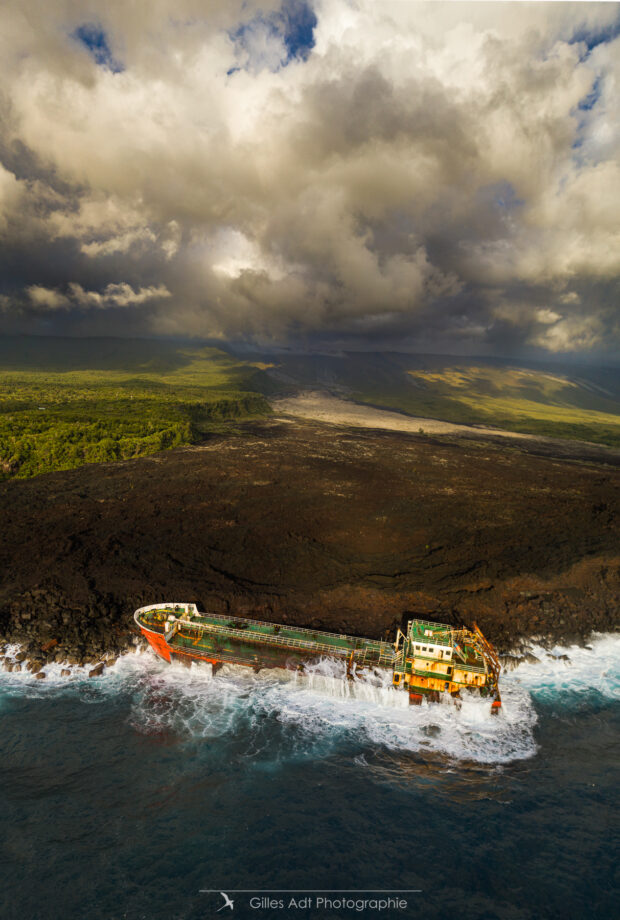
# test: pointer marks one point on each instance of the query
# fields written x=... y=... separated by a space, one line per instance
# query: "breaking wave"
x=570 y=673
x=276 y=715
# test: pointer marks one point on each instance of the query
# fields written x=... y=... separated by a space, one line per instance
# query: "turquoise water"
x=125 y=797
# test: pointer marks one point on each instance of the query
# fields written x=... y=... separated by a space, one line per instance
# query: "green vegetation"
x=65 y=402
x=561 y=401
x=516 y=399
x=128 y=403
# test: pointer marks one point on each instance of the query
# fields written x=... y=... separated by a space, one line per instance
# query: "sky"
x=328 y=174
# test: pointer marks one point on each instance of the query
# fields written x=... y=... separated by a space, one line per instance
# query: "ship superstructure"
x=426 y=661
x=433 y=658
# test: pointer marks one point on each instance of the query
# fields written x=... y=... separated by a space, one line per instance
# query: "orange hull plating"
x=158 y=643
x=161 y=648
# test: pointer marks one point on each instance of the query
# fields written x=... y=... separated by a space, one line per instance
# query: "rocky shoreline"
x=82 y=639
x=16 y=659
x=334 y=528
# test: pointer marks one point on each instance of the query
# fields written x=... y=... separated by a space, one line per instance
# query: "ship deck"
x=441 y=634
x=191 y=627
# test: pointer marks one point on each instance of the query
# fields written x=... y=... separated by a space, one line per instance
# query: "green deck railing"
x=357 y=650
x=197 y=620
x=377 y=653
x=441 y=634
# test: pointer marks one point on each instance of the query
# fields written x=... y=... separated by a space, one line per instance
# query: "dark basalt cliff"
x=336 y=528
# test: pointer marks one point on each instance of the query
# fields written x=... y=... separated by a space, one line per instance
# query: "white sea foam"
x=318 y=710
x=314 y=712
x=571 y=671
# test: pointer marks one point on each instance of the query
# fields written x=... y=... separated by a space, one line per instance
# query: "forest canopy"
x=55 y=419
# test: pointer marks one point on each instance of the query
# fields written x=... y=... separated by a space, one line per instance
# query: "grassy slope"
x=68 y=402
x=583 y=404
x=513 y=398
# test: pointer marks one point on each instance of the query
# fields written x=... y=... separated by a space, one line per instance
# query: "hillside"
x=578 y=403
x=66 y=402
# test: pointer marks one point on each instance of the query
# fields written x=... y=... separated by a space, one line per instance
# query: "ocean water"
x=146 y=793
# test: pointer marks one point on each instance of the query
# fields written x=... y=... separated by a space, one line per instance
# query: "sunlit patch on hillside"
x=518 y=399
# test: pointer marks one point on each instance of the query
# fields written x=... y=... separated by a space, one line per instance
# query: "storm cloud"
x=343 y=172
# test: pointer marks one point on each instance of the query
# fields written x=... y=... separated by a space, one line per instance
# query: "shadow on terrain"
x=334 y=528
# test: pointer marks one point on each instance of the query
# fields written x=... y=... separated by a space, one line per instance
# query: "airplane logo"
x=227 y=902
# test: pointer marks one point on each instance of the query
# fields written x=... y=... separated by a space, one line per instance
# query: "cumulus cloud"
x=10 y=194
x=114 y=295
x=334 y=171
x=47 y=298
x=569 y=335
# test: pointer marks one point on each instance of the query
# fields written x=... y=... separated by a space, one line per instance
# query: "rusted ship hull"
x=428 y=661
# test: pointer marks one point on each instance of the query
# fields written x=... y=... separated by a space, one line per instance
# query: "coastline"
x=340 y=529
x=537 y=651
x=18 y=658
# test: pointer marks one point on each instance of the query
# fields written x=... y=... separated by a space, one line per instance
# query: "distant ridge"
x=556 y=399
